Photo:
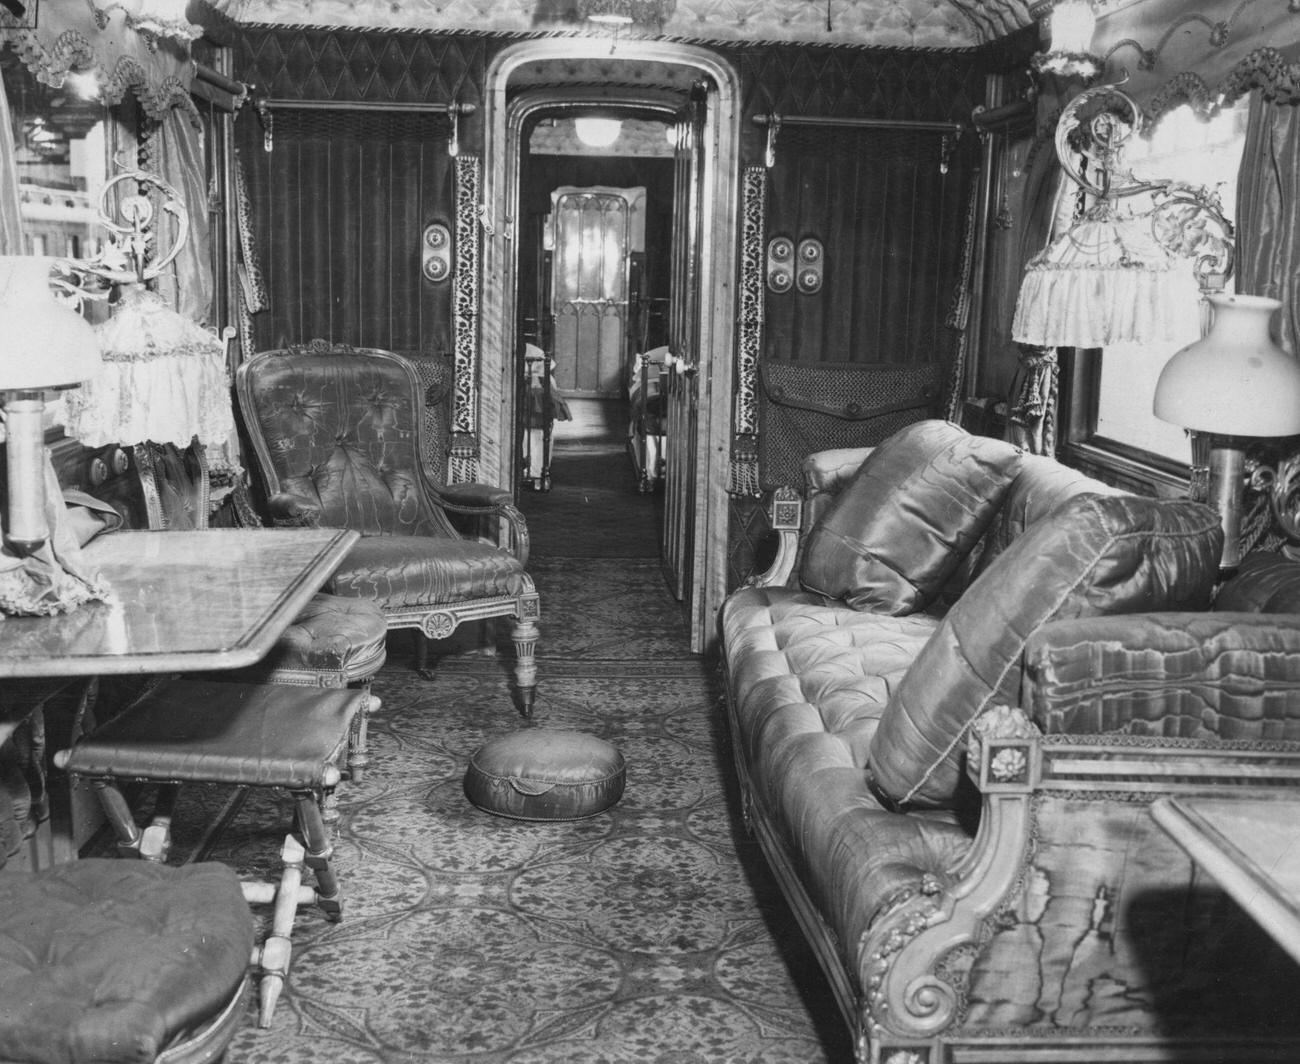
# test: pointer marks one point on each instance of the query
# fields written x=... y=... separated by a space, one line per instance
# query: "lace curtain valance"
x=75 y=37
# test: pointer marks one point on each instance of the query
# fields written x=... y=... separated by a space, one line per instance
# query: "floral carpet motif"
x=650 y=933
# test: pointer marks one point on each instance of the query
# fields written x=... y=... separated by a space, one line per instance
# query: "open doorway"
x=595 y=253
x=697 y=91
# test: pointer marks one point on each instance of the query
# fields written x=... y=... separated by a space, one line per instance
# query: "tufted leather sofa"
x=1037 y=911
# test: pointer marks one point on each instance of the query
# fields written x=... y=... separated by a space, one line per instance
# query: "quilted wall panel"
x=351 y=66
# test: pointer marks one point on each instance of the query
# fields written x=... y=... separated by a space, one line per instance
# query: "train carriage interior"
x=512 y=518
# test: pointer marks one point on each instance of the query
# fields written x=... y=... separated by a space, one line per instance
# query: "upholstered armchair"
x=336 y=435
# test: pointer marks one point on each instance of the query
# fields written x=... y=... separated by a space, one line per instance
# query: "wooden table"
x=1251 y=847
x=182 y=602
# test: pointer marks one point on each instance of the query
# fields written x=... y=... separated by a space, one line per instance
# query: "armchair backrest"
x=341 y=427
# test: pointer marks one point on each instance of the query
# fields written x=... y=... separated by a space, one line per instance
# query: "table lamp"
x=44 y=345
x=1232 y=383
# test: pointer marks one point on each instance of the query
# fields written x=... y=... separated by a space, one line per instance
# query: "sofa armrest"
x=829 y=471
x=291 y=510
x=1176 y=675
x=784 y=516
x=1068 y=886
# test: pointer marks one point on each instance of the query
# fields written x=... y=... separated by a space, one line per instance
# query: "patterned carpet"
x=652 y=933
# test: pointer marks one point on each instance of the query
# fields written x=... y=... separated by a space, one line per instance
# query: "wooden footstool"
x=252 y=735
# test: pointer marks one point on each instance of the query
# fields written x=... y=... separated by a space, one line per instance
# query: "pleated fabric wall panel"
x=339 y=206
x=891 y=222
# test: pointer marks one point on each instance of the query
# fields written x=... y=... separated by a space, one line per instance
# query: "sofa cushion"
x=1093 y=555
x=1264 y=583
x=909 y=515
x=399 y=572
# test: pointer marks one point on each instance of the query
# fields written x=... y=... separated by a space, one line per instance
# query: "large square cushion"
x=1093 y=555
x=910 y=514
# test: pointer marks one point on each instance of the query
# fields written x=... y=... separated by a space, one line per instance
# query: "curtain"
x=176 y=154
x=11 y=225
x=1268 y=212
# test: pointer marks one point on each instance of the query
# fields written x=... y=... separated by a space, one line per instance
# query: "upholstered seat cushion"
x=905 y=520
x=1094 y=555
x=332 y=634
x=104 y=960
x=545 y=774
x=401 y=571
x=213 y=731
x=809 y=680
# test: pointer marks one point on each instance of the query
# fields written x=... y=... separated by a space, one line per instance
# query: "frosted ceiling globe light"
x=597 y=132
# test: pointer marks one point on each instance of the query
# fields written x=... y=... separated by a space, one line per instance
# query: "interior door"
x=593 y=241
x=681 y=384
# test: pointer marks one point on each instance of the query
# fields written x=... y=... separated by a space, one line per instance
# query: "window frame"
x=1080 y=444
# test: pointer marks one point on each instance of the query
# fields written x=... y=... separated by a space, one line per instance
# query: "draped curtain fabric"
x=67 y=37
x=885 y=206
x=177 y=155
x=339 y=206
x=11 y=226
x=1268 y=212
x=1049 y=206
x=1268 y=250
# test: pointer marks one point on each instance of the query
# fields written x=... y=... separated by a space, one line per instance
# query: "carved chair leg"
x=118 y=813
x=156 y=842
x=358 y=741
x=422 y=655
x=273 y=957
x=319 y=850
x=524 y=637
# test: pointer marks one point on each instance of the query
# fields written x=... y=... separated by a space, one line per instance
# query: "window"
x=1117 y=388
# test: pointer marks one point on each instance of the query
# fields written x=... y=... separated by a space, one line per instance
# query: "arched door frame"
x=717 y=279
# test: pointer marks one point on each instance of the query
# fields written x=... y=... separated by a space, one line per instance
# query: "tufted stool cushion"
x=539 y=774
x=106 y=960
x=332 y=633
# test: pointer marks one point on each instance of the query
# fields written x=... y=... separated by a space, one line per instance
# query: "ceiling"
x=927 y=24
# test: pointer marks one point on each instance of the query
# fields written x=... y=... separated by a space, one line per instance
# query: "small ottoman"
x=114 y=961
x=543 y=774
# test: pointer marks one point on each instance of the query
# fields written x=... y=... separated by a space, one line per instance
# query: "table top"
x=1251 y=846
x=182 y=601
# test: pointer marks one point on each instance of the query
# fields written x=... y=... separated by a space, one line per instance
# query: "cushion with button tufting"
x=540 y=774
x=106 y=960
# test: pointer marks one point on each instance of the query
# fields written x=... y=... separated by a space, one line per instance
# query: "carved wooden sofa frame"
x=968 y=962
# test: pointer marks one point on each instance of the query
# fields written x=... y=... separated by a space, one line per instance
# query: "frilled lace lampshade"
x=162 y=379
x=1105 y=280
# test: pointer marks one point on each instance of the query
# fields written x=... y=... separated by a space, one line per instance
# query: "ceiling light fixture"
x=597 y=132
x=616 y=13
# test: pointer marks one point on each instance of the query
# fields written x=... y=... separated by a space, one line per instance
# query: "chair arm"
x=470 y=498
x=289 y=510
x=1176 y=675
x=487 y=500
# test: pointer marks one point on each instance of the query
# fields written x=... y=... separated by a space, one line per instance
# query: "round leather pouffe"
x=537 y=774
